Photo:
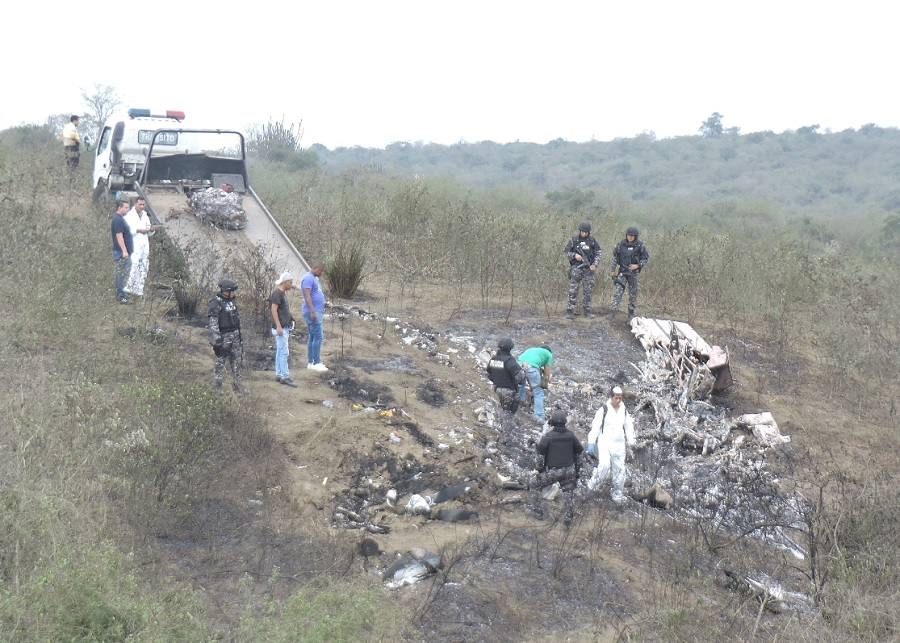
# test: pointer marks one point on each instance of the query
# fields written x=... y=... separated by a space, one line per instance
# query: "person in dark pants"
x=72 y=143
x=225 y=336
x=628 y=259
x=506 y=375
x=122 y=247
x=583 y=253
x=282 y=323
x=559 y=451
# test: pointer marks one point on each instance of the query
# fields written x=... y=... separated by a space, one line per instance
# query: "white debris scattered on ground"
x=675 y=349
x=763 y=427
x=418 y=505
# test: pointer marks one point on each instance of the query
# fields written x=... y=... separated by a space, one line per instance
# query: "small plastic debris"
x=418 y=505
x=552 y=492
x=394 y=438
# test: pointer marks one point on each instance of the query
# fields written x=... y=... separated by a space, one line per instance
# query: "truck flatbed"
x=171 y=207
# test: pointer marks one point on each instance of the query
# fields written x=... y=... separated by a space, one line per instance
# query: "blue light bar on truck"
x=134 y=112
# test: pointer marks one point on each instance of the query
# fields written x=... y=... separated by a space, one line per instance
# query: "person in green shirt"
x=536 y=362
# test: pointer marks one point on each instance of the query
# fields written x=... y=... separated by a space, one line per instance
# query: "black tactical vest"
x=630 y=253
x=497 y=372
x=229 y=318
x=586 y=247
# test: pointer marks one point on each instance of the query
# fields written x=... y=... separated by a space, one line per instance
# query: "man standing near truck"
x=583 y=253
x=72 y=143
x=122 y=247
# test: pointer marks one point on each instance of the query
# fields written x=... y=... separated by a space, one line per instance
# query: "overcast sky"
x=369 y=73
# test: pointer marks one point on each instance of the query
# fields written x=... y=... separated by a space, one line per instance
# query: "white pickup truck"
x=157 y=158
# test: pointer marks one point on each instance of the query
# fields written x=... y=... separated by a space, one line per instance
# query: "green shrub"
x=187 y=296
x=345 y=272
x=341 y=612
x=89 y=594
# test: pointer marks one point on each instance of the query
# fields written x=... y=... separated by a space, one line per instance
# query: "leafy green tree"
x=712 y=126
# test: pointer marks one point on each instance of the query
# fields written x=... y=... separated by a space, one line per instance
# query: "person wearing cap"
x=628 y=259
x=536 y=362
x=225 y=336
x=506 y=375
x=610 y=439
x=558 y=452
x=282 y=322
x=71 y=141
x=583 y=253
x=313 y=308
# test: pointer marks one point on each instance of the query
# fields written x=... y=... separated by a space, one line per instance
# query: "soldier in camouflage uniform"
x=628 y=259
x=583 y=253
x=225 y=335
x=560 y=451
x=506 y=375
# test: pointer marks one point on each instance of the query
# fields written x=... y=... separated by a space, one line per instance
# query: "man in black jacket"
x=506 y=375
x=629 y=258
x=583 y=253
x=225 y=335
x=559 y=451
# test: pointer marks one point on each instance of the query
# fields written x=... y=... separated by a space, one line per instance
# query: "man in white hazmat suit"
x=139 y=223
x=611 y=436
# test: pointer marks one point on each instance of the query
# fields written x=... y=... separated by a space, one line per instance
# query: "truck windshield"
x=217 y=145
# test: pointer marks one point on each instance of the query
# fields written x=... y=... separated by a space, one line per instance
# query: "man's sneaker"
x=320 y=367
x=287 y=381
x=310 y=367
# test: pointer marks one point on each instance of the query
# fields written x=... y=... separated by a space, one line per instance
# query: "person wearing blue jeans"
x=282 y=320
x=313 y=308
x=122 y=247
x=536 y=362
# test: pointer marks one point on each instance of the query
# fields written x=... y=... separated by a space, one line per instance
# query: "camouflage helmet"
x=632 y=230
x=505 y=344
x=584 y=226
x=558 y=418
x=227 y=285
